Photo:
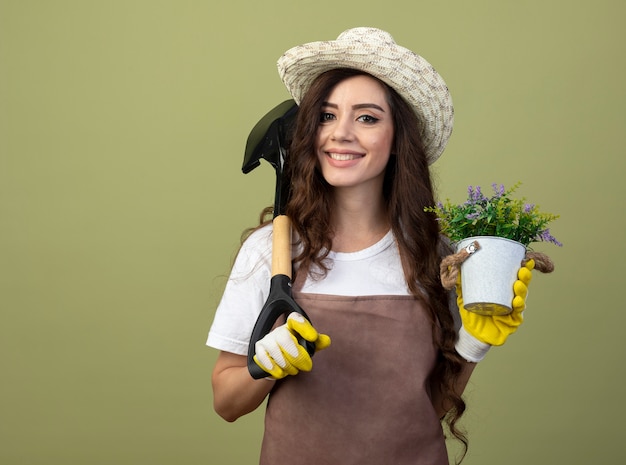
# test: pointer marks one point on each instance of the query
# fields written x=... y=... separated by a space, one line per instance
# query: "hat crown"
x=367 y=34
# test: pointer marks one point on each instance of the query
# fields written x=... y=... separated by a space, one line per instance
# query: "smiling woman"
x=372 y=117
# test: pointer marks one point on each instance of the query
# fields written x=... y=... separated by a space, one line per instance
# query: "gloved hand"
x=480 y=332
x=279 y=353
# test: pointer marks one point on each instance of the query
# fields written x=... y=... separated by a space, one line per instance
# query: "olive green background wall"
x=122 y=128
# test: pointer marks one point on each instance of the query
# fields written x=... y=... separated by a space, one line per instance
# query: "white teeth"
x=342 y=156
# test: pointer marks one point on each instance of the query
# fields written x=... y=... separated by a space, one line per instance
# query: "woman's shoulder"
x=259 y=235
x=254 y=254
x=258 y=243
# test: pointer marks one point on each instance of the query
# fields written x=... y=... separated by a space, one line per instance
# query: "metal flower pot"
x=488 y=275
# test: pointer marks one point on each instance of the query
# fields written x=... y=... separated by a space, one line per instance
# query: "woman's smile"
x=339 y=159
x=343 y=156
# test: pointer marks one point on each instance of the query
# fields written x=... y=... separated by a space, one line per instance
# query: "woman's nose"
x=342 y=130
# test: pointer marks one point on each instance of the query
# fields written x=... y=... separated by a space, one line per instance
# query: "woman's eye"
x=326 y=117
x=367 y=119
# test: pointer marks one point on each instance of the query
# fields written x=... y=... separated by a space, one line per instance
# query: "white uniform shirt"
x=376 y=270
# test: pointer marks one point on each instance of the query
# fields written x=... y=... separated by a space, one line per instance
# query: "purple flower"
x=498 y=190
x=470 y=195
x=545 y=236
x=474 y=195
x=528 y=207
x=472 y=216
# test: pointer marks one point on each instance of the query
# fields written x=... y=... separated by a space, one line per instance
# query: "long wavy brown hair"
x=407 y=189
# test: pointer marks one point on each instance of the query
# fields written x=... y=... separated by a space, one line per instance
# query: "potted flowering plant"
x=501 y=228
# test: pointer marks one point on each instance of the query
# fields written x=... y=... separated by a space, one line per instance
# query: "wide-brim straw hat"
x=375 y=52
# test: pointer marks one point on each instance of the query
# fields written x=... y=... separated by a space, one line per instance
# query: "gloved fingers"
x=295 y=356
x=269 y=354
x=270 y=357
x=300 y=325
x=286 y=366
x=520 y=290
x=520 y=287
x=525 y=274
x=270 y=368
x=281 y=348
x=519 y=304
x=322 y=342
x=297 y=323
x=269 y=365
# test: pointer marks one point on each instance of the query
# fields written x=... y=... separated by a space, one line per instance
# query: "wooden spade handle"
x=281 y=246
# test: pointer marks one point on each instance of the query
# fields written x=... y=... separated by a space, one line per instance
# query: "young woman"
x=372 y=117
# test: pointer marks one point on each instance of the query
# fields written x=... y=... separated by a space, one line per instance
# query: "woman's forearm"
x=235 y=392
x=441 y=406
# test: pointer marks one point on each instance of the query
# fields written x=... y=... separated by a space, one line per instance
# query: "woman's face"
x=355 y=134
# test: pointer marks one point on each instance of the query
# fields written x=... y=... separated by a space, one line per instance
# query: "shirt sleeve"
x=245 y=293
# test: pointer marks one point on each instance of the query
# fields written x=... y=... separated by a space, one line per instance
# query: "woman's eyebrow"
x=358 y=106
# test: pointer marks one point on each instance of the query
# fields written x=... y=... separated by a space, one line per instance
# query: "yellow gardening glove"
x=279 y=354
x=492 y=330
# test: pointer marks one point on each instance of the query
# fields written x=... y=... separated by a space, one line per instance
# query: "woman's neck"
x=359 y=221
